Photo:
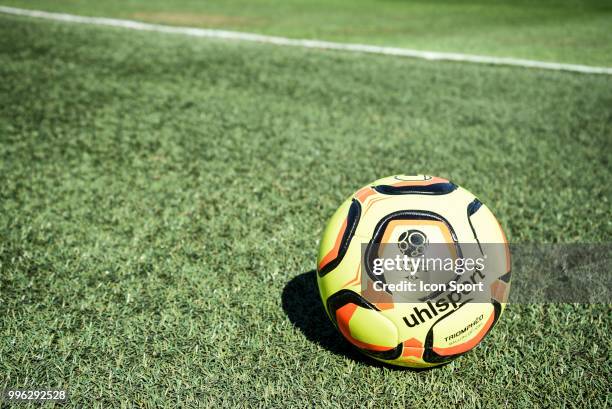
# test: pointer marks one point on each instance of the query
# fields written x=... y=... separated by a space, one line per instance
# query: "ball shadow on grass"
x=302 y=304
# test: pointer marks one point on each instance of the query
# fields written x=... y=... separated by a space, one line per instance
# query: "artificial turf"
x=161 y=200
x=568 y=31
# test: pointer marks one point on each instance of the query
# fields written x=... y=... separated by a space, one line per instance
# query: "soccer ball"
x=420 y=325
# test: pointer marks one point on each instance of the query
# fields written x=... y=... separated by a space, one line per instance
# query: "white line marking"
x=326 y=45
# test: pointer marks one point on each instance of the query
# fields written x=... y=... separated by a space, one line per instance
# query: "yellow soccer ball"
x=445 y=312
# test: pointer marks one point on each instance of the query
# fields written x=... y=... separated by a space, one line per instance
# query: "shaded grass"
x=554 y=30
x=160 y=195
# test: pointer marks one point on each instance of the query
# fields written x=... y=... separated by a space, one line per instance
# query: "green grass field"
x=162 y=197
x=568 y=31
